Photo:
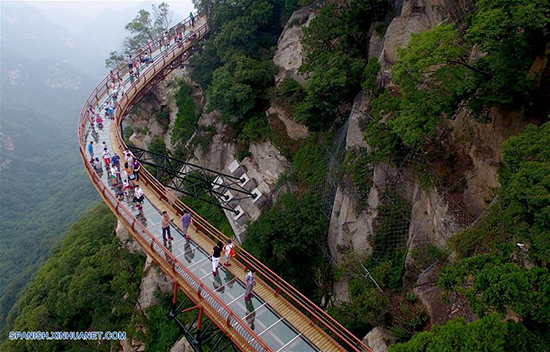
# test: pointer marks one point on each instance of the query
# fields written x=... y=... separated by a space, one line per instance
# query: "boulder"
x=379 y=339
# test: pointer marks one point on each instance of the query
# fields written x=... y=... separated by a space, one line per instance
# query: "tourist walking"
x=91 y=150
x=165 y=224
x=137 y=167
x=138 y=195
x=106 y=158
x=229 y=252
x=250 y=282
x=115 y=160
x=185 y=222
x=216 y=258
x=192 y=18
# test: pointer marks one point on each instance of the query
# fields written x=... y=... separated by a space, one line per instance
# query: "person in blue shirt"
x=115 y=160
x=91 y=149
x=192 y=18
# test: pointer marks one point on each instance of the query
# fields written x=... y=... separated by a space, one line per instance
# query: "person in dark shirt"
x=216 y=258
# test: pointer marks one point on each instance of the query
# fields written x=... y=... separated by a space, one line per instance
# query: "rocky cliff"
x=438 y=210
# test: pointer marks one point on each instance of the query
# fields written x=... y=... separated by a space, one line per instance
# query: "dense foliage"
x=441 y=70
x=186 y=120
x=493 y=283
x=235 y=64
x=334 y=58
x=289 y=238
x=489 y=333
x=88 y=284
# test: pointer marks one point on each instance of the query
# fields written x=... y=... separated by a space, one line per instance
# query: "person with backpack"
x=229 y=252
x=250 y=282
x=185 y=222
x=216 y=258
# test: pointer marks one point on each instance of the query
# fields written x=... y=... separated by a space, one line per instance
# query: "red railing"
x=276 y=283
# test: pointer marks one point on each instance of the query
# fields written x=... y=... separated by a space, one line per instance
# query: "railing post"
x=174 y=298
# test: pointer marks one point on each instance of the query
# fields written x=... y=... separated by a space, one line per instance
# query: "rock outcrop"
x=379 y=339
x=182 y=345
x=289 y=53
x=430 y=295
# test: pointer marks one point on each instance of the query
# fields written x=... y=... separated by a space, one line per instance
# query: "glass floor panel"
x=190 y=256
x=227 y=292
x=261 y=319
x=279 y=335
x=300 y=344
x=202 y=268
x=244 y=308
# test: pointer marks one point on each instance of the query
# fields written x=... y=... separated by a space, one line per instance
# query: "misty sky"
x=78 y=33
x=94 y=8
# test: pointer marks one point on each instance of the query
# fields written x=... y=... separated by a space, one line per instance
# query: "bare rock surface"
x=379 y=339
x=289 y=53
x=294 y=129
x=431 y=297
x=182 y=345
x=153 y=280
x=124 y=236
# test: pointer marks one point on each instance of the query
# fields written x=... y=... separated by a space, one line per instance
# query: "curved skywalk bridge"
x=278 y=318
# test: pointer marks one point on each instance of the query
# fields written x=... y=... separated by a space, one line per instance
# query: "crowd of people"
x=123 y=177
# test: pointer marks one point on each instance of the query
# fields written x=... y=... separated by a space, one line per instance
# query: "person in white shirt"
x=106 y=157
x=138 y=196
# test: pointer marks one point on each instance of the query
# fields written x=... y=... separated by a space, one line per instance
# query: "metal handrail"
x=279 y=285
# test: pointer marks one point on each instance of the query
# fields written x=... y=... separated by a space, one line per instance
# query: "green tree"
x=186 y=119
x=334 y=59
x=238 y=88
x=525 y=194
x=89 y=283
x=434 y=76
x=511 y=33
x=494 y=284
x=487 y=334
x=145 y=27
x=289 y=239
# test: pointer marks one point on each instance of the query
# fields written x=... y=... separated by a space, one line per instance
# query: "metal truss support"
x=207 y=185
x=197 y=333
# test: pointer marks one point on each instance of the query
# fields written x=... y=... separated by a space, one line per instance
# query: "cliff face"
x=438 y=212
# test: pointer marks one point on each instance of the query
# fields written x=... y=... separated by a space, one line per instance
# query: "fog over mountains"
x=50 y=61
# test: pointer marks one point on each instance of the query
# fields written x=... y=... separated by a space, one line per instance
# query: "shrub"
x=186 y=119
